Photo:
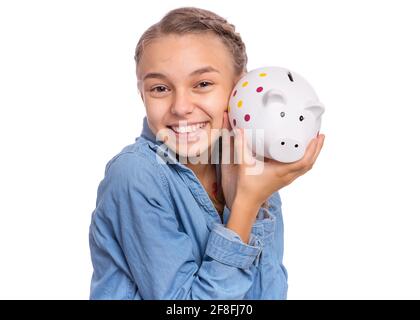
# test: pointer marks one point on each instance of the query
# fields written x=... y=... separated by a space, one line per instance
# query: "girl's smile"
x=190 y=132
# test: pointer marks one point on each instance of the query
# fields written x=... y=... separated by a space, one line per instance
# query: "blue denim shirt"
x=155 y=234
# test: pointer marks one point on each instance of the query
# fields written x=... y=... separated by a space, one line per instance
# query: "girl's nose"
x=182 y=105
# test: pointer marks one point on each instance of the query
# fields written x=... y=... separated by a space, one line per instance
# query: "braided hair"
x=191 y=20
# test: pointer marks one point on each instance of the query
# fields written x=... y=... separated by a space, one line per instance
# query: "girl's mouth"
x=189 y=132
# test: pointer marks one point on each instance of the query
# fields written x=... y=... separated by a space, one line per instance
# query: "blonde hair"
x=190 y=20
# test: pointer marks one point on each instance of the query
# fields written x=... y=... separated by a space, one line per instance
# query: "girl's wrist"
x=241 y=219
x=247 y=205
x=247 y=201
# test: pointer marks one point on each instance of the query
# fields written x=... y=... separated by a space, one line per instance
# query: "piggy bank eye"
x=282 y=114
x=301 y=118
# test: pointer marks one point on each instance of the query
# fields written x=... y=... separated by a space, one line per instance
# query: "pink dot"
x=234 y=122
x=247 y=117
x=234 y=93
x=259 y=89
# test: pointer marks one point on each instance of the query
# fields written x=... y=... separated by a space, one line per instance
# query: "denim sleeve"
x=278 y=236
x=271 y=280
x=136 y=240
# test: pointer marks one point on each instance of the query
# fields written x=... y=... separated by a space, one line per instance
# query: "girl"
x=164 y=228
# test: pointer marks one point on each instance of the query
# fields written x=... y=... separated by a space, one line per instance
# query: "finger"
x=319 y=144
x=226 y=122
x=321 y=139
x=308 y=166
x=306 y=161
x=248 y=156
x=226 y=128
x=243 y=152
x=238 y=145
x=227 y=141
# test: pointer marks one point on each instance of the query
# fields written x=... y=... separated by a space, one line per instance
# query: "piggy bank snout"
x=286 y=150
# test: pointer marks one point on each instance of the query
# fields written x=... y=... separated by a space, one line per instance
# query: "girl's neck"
x=204 y=172
x=207 y=175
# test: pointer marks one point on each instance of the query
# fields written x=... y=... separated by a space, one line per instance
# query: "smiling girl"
x=170 y=229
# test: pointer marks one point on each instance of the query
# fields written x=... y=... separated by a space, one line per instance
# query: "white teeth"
x=190 y=128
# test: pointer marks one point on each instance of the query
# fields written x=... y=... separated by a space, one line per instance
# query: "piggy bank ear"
x=316 y=108
x=272 y=96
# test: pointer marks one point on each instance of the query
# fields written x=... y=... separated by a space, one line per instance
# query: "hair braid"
x=190 y=20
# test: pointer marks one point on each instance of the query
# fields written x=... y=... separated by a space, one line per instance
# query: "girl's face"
x=185 y=82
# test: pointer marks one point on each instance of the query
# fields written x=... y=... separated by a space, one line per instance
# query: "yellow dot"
x=228 y=108
x=240 y=104
x=263 y=74
x=245 y=84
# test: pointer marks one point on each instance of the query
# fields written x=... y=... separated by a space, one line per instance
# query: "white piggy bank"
x=284 y=105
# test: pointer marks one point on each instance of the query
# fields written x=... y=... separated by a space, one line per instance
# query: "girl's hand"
x=251 y=190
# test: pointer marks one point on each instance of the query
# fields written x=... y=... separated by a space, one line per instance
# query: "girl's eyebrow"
x=194 y=73
x=204 y=70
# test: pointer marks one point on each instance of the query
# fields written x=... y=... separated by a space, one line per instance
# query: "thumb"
x=227 y=141
x=242 y=150
x=226 y=123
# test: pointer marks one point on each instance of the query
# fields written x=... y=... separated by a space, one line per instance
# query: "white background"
x=68 y=103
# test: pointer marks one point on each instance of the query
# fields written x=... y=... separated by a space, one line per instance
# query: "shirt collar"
x=147 y=132
x=166 y=155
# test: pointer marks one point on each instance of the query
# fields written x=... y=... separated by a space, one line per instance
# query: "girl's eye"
x=204 y=84
x=158 y=89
